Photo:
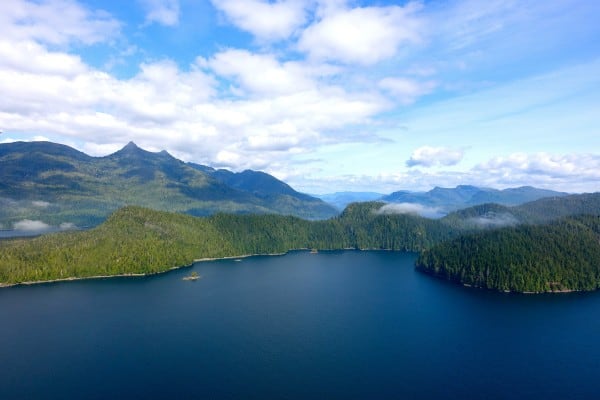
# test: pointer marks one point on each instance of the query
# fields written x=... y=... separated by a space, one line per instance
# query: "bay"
x=331 y=325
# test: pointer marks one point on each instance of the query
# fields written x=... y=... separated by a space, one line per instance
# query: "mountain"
x=450 y=199
x=57 y=185
x=341 y=199
x=271 y=190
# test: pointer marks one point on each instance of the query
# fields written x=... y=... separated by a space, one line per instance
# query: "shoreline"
x=206 y=259
x=138 y=275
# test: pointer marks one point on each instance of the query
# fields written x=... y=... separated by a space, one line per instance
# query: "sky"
x=327 y=95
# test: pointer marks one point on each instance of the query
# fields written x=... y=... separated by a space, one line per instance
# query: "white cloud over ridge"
x=494 y=220
x=411 y=208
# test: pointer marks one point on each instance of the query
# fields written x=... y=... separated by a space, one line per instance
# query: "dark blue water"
x=352 y=325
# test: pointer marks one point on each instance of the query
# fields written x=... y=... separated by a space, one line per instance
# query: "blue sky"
x=328 y=95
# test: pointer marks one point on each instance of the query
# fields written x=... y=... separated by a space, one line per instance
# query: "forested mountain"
x=136 y=240
x=560 y=256
x=448 y=199
x=139 y=240
x=271 y=190
x=57 y=184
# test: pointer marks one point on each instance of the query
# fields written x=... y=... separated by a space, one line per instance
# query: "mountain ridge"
x=57 y=184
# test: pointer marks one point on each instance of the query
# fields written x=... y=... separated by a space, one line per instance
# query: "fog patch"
x=40 y=204
x=412 y=209
x=31 y=226
x=494 y=220
x=65 y=226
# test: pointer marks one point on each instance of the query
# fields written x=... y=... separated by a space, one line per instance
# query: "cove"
x=344 y=324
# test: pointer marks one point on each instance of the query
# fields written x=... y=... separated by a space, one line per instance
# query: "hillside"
x=137 y=240
x=57 y=184
x=561 y=256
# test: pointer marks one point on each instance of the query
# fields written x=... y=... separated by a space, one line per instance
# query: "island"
x=194 y=276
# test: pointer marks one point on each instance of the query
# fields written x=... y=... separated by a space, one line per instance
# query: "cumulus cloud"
x=428 y=156
x=569 y=172
x=163 y=12
x=56 y=22
x=553 y=166
x=261 y=73
x=411 y=208
x=31 y=225
x=362 y=35
x=264 y=19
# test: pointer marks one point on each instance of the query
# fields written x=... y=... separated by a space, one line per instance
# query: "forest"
x=506 y=251
x=136 y=240
x=560 y=256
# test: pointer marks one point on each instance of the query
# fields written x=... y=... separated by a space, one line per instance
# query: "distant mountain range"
x=57 y=184
x=440 y=201
x=446 y=199
x=341 y=199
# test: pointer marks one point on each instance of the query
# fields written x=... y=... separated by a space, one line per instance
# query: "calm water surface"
x=358 y=325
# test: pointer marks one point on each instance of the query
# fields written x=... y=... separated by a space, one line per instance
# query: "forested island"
x=488 y=246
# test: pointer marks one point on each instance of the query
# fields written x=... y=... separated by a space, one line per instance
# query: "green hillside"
x=136 y=240
x=561 y=256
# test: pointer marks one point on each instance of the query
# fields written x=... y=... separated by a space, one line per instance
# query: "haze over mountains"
x=439 y=201
x=44 y=185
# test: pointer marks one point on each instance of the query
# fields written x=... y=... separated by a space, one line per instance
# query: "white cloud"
x=577 y=171
x=362 y=36
x=428 y=156
x=67 y=226
x=40 y=204
x=164 y=12
x=264 y=19
x=411 y=208
x=56 y=22
x=28 y=56
x=261 y=73
x=30 y=225
x=406 y=90
x=494 y=220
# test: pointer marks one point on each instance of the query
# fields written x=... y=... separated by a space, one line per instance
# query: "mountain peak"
x=130 y=146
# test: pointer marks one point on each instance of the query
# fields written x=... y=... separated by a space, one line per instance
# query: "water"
x=352 y=325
